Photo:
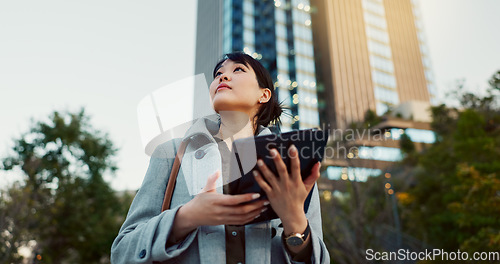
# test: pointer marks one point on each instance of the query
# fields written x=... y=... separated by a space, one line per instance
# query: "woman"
x=208 y=226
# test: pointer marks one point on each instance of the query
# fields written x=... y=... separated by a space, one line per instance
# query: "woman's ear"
x=266 y=95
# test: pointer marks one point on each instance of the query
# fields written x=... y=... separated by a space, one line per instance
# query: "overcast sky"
x=107 y=55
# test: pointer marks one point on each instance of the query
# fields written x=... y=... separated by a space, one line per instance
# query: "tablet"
x=310 y=144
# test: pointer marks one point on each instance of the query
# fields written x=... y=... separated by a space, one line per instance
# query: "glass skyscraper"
x=372 y=55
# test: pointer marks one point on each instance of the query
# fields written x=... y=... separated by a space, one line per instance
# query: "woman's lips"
x=222 y=86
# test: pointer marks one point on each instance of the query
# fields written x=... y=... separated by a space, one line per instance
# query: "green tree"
x=14 y=220
x=455 y=202
x=361 y=215
x=408 y=150
x=67 y=207
x=495 y=81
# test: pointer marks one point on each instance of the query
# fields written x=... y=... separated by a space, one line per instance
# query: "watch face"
x=294 y=241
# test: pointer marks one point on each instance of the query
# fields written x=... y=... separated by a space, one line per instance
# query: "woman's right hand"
x=212 y=208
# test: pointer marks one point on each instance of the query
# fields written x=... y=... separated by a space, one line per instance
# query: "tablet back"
x=310 y=144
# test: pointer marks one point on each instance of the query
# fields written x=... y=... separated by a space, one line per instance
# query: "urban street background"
x=106 y=56
x=430 y=189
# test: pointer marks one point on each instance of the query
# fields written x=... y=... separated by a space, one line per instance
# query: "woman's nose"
x=224 y=77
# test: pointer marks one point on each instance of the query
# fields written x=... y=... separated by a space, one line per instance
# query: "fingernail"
x=260 y=163
x=266 y=203
x=273 y=153
x=293 y=151
x=263 y=210
x=255 y=173
x=319 y=165
x=255 y=196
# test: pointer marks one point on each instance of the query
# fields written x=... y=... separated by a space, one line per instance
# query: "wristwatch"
x=297 y=239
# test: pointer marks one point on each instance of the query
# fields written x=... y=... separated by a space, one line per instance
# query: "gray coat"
x=144 y=234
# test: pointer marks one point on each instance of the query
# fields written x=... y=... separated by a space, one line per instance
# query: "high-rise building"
x=371 y=54
x=279 y=34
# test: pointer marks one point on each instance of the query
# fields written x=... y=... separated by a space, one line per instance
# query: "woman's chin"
x=222 y=104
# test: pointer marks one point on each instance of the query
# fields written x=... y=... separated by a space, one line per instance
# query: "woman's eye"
x=218 y=73
x=239 y=68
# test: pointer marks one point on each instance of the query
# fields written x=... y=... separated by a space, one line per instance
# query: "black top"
x=235 y=235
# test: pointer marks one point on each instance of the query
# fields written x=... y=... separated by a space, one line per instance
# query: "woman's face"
x=235 y=88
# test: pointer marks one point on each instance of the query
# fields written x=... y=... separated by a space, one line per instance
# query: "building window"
x=386 y=95
x=349 y=173
x=377 y=34
x=380 y=153
x=384 y=79
x=379 y=49
x=420 y=135
x=374 y=6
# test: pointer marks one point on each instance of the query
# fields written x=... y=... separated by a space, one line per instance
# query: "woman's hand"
x=287 y=193
x=212 y=208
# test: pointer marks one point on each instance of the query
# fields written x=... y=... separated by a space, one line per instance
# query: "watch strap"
x=305 y=235
x=307 y=232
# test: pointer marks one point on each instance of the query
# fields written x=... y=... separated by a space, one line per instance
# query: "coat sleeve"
x=319 y=251
x=144 y=234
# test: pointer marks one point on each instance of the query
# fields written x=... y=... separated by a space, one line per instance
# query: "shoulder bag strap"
x=173 y=176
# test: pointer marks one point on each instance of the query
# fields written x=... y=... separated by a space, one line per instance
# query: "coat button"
x=199 y=154
x=234 y=233
x=142 y=254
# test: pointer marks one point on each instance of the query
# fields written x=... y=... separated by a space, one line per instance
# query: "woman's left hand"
x=287 y=192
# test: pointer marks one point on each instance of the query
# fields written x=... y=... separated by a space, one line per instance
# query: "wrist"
x=185 y=219
x=182 y=226
x=294 y=224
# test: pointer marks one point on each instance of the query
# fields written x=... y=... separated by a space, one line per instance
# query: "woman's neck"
x=235 y=125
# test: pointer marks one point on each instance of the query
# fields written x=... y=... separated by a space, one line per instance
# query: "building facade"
x=372 y=55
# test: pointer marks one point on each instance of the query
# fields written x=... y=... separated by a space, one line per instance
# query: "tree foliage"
x=455 y=203
x=448 y=195
x=63 y=203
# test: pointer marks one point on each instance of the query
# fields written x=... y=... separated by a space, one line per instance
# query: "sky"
x=108 y=55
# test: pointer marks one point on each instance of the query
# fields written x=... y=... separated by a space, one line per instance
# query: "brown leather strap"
x=173 y=176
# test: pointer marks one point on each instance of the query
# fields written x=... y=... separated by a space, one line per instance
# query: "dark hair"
x=270 y=111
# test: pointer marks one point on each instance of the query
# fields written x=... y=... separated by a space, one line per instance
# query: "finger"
x=268 y=174
x=240 y=220
x=313 y=177
x=262 y=183
x=227 y=199
x=211 y=182
x=245 y=218
x=295 y=163
x=254 y=214
x=245 y=209
x=280 y=165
